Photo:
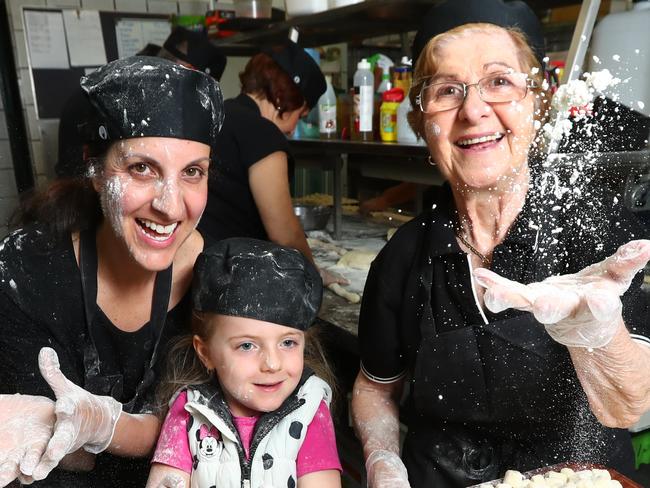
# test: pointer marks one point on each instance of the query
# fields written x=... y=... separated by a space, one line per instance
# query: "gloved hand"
x=578 y=310
x=82 y=419
x=330 y=277
x=26 y=425
x=385 y=469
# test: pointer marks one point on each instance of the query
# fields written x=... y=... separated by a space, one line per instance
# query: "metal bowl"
x=313 y=217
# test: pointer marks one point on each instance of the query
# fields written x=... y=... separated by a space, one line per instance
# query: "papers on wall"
x=46 y=40
x=85 y=40
x=134 y=34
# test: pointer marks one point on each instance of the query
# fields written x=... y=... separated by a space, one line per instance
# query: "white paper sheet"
x=134 y=34
x=85 y=39
x=46 y=39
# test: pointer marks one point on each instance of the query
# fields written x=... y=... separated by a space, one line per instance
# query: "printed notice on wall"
x=46 y=40
x=134 y=34
x=85 y=40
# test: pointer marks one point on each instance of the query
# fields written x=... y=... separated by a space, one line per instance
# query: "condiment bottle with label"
x=327 y=111
x=388 y=114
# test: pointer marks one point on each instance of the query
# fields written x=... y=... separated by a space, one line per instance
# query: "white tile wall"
x=4 y=134
x=162 y=7
x=131 y=5
x=64 y=3
x=7 y=183
x=193 y=8
x=7 y=207
x=15 y=11
x=6 y=161
x=107 y=5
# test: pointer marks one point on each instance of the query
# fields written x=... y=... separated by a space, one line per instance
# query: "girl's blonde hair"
x=184 y=367
x=428 y=62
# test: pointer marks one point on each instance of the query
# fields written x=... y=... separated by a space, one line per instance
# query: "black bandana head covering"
x=448 y=14
x=302 y=69
x=201 y=53
x=259 y=280
x=144 y=96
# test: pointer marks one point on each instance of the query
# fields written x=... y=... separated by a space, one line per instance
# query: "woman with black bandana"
x=542 y=363
x=95 y=284
x=249 y=187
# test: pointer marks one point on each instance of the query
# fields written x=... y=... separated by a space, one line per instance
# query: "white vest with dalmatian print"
x=219 y=459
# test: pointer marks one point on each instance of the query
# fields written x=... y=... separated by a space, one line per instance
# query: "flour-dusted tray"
x=542 y=478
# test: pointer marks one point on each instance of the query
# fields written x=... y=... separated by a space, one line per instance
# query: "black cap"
x=201 y=53
x=302 y=69
x=142 y=96
x=447 y=14
x=257 y=279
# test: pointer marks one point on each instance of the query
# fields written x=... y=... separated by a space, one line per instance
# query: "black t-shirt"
x=245 y=138
x=493 y=376
x=41 y=304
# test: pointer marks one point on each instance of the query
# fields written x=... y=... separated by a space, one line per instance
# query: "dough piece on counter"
x=342 y=292
x=358 y=259
x=327 y=246
x=513 y=478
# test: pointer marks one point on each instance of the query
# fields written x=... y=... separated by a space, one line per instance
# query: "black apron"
x=101 y=369
x=490 y=397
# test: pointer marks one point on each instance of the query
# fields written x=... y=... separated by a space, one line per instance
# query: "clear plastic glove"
x=82 y=419
x=26 y=425
x=172 y=481
x=578 y=310
x=385 y=469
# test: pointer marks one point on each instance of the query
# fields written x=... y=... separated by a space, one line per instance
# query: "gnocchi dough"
x=565 y=478
x=342 y=292
x=358 y=259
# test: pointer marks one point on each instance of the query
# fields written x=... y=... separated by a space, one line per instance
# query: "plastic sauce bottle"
x=403 y=74
x=388 y=114
x=363 y=102
x=327 y=111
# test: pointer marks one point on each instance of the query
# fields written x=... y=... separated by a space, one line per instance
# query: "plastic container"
x=403 y=75
x=254 y=9
x=327 y=111
x=363 y=82
x=295 y=8
x=404 y=132
x=388 y=114
x=621 y=41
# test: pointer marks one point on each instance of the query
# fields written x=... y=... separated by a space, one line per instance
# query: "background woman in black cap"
x=491 y=389
x=100 y=275
x=249 y=188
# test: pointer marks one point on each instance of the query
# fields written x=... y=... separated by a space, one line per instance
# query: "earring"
x=431 y=161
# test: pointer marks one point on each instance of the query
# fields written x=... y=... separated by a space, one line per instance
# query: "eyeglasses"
x=495 y=88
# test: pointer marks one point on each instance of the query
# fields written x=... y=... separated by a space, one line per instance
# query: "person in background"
x=96 y=283
x=249 y=189
x=247 y=410
x=514 y=349
x=186 y=47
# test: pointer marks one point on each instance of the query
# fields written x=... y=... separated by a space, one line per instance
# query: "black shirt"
x=245 y=138
x=495 y=380
x=41 y=305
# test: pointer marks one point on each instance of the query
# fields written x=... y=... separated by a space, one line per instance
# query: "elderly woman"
x=483 y=388
x=95 y=287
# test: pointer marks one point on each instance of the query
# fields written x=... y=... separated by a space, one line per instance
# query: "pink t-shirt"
x=318 y=451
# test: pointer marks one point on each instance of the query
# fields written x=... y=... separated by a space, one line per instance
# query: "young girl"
x=248 y=413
